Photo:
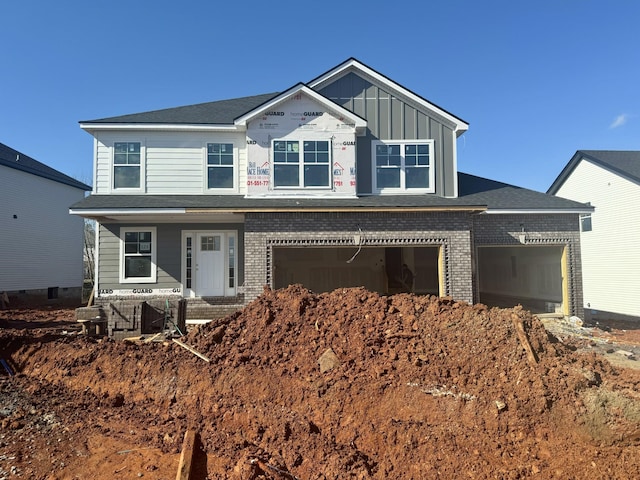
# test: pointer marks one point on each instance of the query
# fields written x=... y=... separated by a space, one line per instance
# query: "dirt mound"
x=352 y=384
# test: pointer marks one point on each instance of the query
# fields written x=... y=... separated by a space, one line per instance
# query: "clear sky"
x=536 y=80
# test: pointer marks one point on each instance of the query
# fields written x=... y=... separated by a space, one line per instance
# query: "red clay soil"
x=347 y=384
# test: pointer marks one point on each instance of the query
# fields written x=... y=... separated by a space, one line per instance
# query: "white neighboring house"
x=40 y=243
x=610 y=181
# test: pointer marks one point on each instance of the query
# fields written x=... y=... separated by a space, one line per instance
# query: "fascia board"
x=548 y=211
x=125 y=211
x=359 y=122
x=565 y=173
x=460 y=126
x=90 y=127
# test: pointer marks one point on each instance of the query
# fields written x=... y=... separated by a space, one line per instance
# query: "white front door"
x=209 y=264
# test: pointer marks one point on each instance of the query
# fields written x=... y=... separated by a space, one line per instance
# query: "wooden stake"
x=531 y=356
x=90 y=301
x=192 y=350
x=186 y=457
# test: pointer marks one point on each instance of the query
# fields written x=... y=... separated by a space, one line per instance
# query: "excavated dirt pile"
x=347 y=384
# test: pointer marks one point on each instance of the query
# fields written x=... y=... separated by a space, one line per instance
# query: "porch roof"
x=475 y=194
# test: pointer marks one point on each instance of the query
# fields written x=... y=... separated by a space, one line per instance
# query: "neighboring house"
x=333 y=183
x=40 y=244
x=610 y=181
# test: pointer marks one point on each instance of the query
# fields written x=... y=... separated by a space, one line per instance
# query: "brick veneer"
x=458 y=232
x=451 y=230
x=539 y=230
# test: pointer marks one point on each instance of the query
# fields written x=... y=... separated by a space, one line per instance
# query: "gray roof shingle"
x=222 y=112
x=623 y=162
x=14 y=159
x=475 y=193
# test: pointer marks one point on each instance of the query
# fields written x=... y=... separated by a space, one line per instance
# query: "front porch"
x=135 y=317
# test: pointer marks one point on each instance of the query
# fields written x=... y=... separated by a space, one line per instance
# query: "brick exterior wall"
x=450 y=230
x=459 y=233
x=539 y=230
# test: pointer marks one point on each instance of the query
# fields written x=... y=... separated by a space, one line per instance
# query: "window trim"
x=154 y=246
x=403 y=188
x=301 y=163
x=234 y=168
x=141 y=168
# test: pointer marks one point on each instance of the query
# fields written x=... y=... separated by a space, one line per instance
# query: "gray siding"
x=390 y=118
x=168 y=255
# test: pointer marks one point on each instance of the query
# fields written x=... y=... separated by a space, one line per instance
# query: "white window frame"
x=141 y=168
x=301 y=164
x=402 y=168
x=154 y=246
x=234 y=167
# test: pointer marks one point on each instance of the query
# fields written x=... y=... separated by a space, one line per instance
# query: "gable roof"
x=354 y=65
x=625 y=163
x=224 y=112
x=14 y=159
x=358 y=122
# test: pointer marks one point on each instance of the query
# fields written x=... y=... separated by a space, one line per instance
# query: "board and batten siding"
x=610 y=251
x=390 y=118
x=42 y=246
x=173 y=163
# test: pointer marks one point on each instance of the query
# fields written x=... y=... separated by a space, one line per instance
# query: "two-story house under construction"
x=348 y=180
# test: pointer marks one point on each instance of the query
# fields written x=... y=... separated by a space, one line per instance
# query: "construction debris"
x=191 y=349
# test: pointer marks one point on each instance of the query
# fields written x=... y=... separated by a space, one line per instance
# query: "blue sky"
x=536 y=80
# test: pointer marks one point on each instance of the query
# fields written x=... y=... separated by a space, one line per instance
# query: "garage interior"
x=378 y=269
x=531 y=276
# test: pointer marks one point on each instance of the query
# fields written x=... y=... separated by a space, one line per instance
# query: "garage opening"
x=531 y=276
x=384 y=270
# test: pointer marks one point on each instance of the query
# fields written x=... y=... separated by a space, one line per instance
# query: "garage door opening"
x=523 y=275
x=379 y=269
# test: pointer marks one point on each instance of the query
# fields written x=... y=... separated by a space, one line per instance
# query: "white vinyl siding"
x=610 y=251
x=174 y=162
x=42 y=246
x=174 y=169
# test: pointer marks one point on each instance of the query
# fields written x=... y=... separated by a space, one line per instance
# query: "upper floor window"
x=585 y=223
x=301 y=163
x=138 y=255
x=403 y=166
x=126 y=165
x=220 y=165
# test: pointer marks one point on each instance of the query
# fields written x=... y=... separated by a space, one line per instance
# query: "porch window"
x=126 y=164
x=403 y=166
x=220 y=165
x=232 y=261
x=302 y=163
x=188 y=260
x=138 y=255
